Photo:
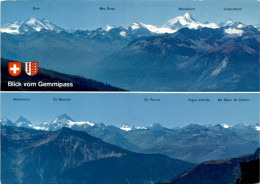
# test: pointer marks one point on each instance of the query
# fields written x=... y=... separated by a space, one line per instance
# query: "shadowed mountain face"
x=250 y=172
x=68 y=156
x=188 y=60
x=217 y=171
x=49 y=76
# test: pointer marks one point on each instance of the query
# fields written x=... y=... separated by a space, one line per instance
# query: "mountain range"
x=181 y=55
x=189 y=60
x=67 y=156
x=33 y=25
x=193 y=143
x=30 y=26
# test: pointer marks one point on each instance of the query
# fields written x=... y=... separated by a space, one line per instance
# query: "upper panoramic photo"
x=148 y=45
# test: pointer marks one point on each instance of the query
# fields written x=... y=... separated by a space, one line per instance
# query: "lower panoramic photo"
x=129 y=138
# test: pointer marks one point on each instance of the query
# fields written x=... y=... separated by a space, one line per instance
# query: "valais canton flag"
x=31 y=68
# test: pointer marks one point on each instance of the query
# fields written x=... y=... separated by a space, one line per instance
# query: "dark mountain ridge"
x=68 y=156
x=225 y=171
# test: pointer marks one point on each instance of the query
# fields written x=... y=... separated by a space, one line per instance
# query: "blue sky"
x=83 y=14
x=131 y=108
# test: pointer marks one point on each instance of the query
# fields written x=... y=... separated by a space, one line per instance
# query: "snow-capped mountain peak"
x=12 y=28
x=125 y=128
x=80 y=123
x=42 y=126
x=228 y=23
x=151 y=28
x=39 y=25
x=140 y=128
x=23 y=122
x=233 y=24
x=241 y=126
x=257 y=128
x=183 y=20
x=233 y=28
x=7 y=122
x=108 y=28
x=32 y=21
x=225 y=126
x=136 y=25
x=59 y=122
x=155 y=126
x=257 y=27
x=186 y=21
x=188 y=16
x=234 y=31
x=29 y=26
x=65 y=121
x=63 y=117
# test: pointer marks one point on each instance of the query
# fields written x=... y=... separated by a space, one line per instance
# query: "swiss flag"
x=14 y=68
